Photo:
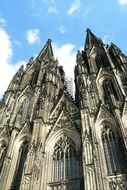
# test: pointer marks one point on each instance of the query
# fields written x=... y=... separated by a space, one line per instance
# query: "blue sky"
x=25 y=26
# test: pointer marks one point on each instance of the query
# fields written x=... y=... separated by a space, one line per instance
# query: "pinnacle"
x=88 y=30
x=49 y=40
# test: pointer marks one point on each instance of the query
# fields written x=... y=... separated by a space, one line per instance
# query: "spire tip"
x=49 y=40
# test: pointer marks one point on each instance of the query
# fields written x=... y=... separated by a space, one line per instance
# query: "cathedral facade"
x=50 y=141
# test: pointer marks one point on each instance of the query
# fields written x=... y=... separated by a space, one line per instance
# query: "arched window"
x=106 y=92
x=66 y=163
x=101 y=61
x=24 y=109
x=34 y=78
x=109 y=89
x=113 y=89
x=113 y=151
x=116 y=60
x=19 y=166
x=65 y=160
x=3 y=149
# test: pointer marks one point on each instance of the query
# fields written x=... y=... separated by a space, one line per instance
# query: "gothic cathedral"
x=50 y=141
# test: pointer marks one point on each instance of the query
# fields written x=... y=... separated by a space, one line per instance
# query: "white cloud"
x=52 y=1
x=18 y=43
x=2 y=21
x=65 y=53
x=74 y=7
x=53 y=10
x=19 y=63
x=7 y=69
x=62 y=29
x=66 y=57
x=123 y=2
x=33 y=36
x=105 y=39
x=33 y=3
x=81 y=48
x=86 y=13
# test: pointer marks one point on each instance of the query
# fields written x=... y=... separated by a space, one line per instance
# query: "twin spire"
x=91 y=40
x=47 y=50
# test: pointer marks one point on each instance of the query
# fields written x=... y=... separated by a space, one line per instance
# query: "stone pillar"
x=88 y=157
x=6 y=177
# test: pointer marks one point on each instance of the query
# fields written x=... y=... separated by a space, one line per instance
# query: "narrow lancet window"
x=2 y=155
x=101 y=62
x=20 y=166
x=113 y=151
x=24 y=109
x=34 y=78
x=65 y=161
x=110 y=89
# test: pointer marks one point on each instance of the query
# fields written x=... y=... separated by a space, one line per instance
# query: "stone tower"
x=48 y=140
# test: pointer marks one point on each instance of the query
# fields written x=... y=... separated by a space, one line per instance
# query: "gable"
x=47 y=52
x=103 y=74
x=63 y=121
x=65 y=102
x=64 y=115
x=104 y=114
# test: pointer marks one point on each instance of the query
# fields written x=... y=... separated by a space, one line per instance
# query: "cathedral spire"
x=46 y=52
x=91 y=39
x=49 y=142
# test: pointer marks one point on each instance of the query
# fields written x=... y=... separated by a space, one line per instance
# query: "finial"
x=21 y=67
x=49 y=40
x=88 y=30
x=31 y=60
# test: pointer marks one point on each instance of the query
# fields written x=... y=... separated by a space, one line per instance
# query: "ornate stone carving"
x=56 y=116
x=27 y=178
x=117 y=182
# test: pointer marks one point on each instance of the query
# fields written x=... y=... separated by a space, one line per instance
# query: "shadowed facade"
x=48 y=140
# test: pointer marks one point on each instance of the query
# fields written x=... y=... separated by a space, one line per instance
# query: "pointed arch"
x=22 y=154
x=3 y=150
x=17 y=162
x=22 y=104
x=101 y=61
x=113 y=150
x=110 y=89
x=116 y=59
x=65 y=160
x=24 y=109
x=20 y=150
x=34 y=77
